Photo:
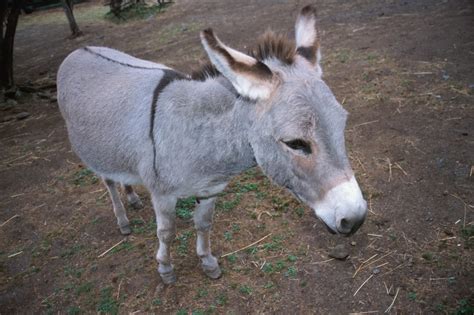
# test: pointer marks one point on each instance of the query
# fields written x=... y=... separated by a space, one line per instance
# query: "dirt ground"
x=405 y=72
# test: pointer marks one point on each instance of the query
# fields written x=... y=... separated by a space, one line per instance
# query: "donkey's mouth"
x=328 y=227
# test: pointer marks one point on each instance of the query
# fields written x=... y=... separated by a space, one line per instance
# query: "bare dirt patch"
x=404 y=71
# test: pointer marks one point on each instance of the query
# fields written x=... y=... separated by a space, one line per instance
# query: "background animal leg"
x=132 y=197
x=119 y=210
x=166 y=229
x=203 y=223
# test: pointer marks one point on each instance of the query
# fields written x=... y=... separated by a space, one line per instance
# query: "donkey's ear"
x=307 y=36
x=250 y=77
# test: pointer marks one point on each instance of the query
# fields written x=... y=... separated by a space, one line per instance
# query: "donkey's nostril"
x=345 y=226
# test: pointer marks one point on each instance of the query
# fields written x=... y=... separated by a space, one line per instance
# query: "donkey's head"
x=298 y=130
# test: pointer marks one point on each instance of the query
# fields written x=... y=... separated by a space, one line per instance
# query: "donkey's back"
x=105 y=97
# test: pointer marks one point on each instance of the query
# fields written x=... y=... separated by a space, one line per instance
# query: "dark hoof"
x=125 y=230
x=213 y=273
x=137 y=204
x=168 y=277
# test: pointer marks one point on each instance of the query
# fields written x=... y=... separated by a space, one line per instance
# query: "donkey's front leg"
x=203 y=224
x=166 y=229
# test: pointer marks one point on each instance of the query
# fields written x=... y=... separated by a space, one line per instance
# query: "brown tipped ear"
x=250 y=77
x=307 y=35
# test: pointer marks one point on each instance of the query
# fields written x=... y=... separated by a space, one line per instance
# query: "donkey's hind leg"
x=203 y=224
x=119 y=210
x=132 y=197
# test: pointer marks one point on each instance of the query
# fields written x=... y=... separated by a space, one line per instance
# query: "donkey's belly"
x=108 y=158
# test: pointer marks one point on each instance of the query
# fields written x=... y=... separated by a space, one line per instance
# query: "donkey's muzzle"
x=348 y=226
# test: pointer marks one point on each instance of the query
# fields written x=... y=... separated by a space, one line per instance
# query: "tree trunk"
x=8 y=21
x=68 y=6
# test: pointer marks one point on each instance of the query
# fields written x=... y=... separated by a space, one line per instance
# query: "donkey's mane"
x=268 y=46
x=274 y=46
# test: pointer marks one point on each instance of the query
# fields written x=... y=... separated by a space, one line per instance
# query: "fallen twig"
x=118 y=290
x=15 y=216
x=374 y=235
x=401 y=169
x=245 y=247
x=108 y=250
x=393 y=302
x=15 y=254
x=363 y=283
x=358 y=269
x=392 y=270
x=389 y=170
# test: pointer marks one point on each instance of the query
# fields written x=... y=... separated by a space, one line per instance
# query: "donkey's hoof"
x=168 y=277
x=136 y=204
x=125 y=230
x=212 y=272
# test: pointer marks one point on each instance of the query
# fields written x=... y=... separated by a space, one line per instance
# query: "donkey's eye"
x=299 y=145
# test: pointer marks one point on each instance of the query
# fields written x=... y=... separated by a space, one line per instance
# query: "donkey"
x=137 y=122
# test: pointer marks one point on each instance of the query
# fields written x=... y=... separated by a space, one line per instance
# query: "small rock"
x=22 y=115
x=353 y=243
x=375 y=271
x=339 y=252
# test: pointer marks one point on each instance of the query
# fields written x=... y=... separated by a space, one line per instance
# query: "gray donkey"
x=137 y=122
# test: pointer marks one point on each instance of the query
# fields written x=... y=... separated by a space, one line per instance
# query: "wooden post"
x=9 y=21
x=68 y=7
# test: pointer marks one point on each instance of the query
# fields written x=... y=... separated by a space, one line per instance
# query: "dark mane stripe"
x=118 y=62
x=277 y=46
x=168 y=77
x=206 y=71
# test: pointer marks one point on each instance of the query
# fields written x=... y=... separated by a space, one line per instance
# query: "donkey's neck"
x=205 y=125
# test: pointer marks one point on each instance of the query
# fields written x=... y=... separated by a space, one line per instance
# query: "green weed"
x=183 y=240
x=221 y=299
x=84 y=288
x=138 y=11
x=124 y=246
x=107 y=304
x=184 y=208
x=84 y=177
x=228 y=236
x=291 y=272
x=232 y=258
x=244 y=289
x=201 y=292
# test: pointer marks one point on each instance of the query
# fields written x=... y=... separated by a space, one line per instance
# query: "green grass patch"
x=232 y=258
x=245 y=289
x=84 y=288
x=84 y=177
x=221 y=299
x=228 y=205
x=139 y=11
x=183 y=242
x=291 y=272
x=464 y=308
x=124 y=246
x=71 y=251
x=74 y=310
x=107 y=304
x=185 y=207
x=201 y=292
